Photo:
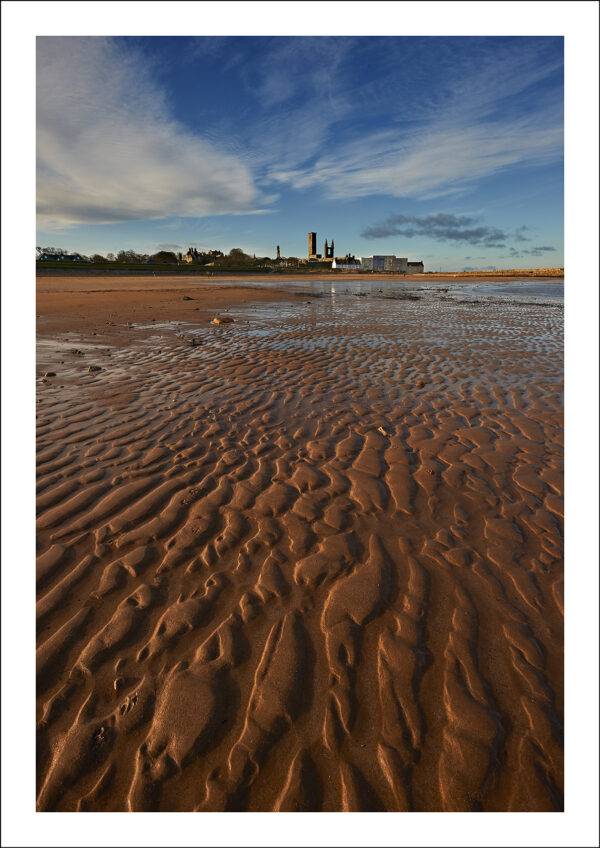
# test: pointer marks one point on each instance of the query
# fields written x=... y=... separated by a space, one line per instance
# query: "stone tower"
x=312 y=245
x=278 y=252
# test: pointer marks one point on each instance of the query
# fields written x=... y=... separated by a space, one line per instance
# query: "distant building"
x=312 y=246
x=346 y=264
x=192 y=255
x=328 y=251
x=381 y=263
x=278 y=252
x=391 y=264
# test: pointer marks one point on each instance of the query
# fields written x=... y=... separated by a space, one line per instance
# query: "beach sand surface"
x=308 y=558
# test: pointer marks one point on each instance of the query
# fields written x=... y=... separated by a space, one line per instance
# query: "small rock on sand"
x=187 y=297
x=94 y=368
x=222 y=319
x=50 y=374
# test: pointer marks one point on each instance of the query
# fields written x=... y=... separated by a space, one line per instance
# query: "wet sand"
x=307 y=560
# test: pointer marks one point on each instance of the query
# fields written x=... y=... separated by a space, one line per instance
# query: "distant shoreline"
x=441 y=276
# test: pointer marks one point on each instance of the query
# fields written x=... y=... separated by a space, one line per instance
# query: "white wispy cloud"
x=107 y=149
x=483 y=117
x=311 y=117
x=428 y=163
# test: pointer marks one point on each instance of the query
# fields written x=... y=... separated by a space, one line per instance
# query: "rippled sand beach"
x=306 y=559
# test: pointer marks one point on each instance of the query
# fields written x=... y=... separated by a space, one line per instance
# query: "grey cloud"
x=539 y=250
x=519 y=234
x=461 y=229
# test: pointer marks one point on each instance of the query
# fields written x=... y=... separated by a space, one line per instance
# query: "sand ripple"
x=312 y=563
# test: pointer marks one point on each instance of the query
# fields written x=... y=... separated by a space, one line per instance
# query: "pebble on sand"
x=95 y=368
x=222 y=319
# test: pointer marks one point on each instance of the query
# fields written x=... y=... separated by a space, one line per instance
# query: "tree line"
x=236 y=257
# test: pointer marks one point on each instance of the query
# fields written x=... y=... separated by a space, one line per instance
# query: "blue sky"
x=448 y=150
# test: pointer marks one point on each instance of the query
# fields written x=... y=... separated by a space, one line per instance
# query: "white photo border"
x=22 y=22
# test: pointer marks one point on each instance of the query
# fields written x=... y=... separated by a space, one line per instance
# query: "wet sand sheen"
x=313 y=562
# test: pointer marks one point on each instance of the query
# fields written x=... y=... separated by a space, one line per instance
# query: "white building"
x=346 y=266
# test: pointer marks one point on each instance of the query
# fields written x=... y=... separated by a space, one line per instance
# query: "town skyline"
x=447 y=149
